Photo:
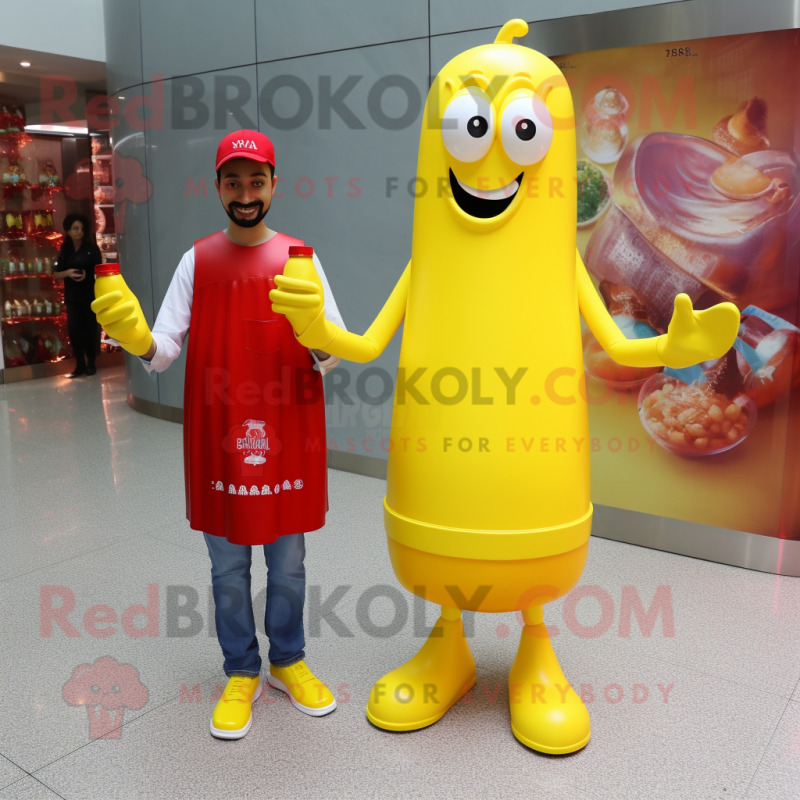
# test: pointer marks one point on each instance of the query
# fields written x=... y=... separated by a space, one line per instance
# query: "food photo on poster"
x=687 y=183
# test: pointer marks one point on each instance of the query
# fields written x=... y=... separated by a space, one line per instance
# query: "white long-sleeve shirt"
x=172 y=323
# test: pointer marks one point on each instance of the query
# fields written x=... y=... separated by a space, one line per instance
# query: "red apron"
x=254 y=414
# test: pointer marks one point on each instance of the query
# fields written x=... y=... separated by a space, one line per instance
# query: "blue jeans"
x=283 y=616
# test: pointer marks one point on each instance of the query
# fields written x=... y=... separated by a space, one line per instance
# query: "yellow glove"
x=299 y=300
x=695 y=336
x=303 y=305
x=121 y=315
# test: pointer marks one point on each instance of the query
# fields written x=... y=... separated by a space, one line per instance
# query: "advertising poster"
x=688 y=182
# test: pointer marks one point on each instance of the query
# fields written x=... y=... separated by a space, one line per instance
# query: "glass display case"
x=44 y=178
x=33 y=320
x=103 y=196
x=103 y=192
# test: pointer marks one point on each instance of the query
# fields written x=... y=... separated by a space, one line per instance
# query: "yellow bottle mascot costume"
x=477 y=518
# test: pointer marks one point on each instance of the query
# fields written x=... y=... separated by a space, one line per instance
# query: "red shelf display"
x=33 y=323
x=41 y=183
x=51 y=317
x=103 y=194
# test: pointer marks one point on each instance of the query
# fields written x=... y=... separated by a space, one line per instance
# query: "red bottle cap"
x=300 y=250
x=102 y=270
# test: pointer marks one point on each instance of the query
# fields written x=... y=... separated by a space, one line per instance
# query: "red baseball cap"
x=246 y=144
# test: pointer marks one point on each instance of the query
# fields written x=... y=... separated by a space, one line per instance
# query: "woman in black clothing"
x=75 y=266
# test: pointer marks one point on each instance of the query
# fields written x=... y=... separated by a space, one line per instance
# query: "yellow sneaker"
x=233 y=714
x=307 y=693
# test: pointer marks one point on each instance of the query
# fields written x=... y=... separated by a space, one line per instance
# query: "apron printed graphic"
x=254 y=491
x=253 y=441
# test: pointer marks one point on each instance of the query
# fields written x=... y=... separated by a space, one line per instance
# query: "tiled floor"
x=91 y=513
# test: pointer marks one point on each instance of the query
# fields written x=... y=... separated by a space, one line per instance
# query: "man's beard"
x=247 y=223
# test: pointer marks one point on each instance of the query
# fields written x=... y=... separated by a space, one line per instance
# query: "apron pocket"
x=261 y=335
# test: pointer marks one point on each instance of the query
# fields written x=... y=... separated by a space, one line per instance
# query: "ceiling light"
x=59 y=129
x=24 y=63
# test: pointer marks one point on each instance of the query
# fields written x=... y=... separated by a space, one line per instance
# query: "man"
x=254 y=428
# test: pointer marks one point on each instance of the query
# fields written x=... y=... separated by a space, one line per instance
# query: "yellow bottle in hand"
x=300 y=268
x=118 y=310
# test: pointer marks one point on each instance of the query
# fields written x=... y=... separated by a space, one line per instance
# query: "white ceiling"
x=24 y=84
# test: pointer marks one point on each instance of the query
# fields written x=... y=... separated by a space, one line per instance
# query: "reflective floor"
x=702 y=702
